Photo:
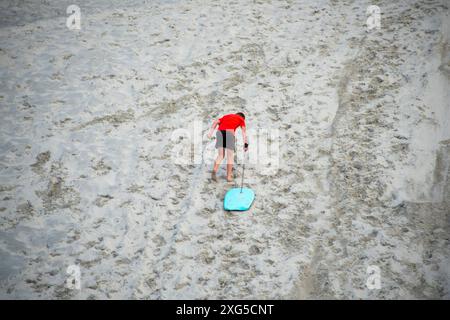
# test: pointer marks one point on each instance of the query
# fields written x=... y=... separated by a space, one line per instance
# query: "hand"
x=209 y=135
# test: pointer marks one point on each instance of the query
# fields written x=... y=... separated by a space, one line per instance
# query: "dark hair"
x=241 y=114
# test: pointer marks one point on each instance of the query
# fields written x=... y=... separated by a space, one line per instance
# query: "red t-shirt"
x=231 y=122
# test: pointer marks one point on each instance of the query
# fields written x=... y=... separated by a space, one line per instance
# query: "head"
x=241 y=114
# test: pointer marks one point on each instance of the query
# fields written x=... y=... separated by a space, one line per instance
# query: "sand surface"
x=356 y=122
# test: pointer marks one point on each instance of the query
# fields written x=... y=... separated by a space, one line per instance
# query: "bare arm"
x=213 y=127
x=244 y=137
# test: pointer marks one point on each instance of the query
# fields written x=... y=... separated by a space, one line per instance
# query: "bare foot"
x=230 y=179
x=213 y=176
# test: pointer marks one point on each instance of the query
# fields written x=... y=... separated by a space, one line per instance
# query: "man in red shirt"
x=225 y=139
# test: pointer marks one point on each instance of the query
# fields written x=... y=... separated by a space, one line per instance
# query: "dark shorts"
x=225 y=139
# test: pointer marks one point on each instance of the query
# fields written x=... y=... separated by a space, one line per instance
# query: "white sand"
x=87 y=175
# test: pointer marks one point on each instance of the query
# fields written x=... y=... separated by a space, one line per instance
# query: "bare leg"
x=217 y=163
x=230 y=161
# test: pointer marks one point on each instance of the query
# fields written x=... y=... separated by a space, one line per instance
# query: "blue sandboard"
x=235 y=200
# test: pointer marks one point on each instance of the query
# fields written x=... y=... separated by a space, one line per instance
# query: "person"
x=226 y=141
